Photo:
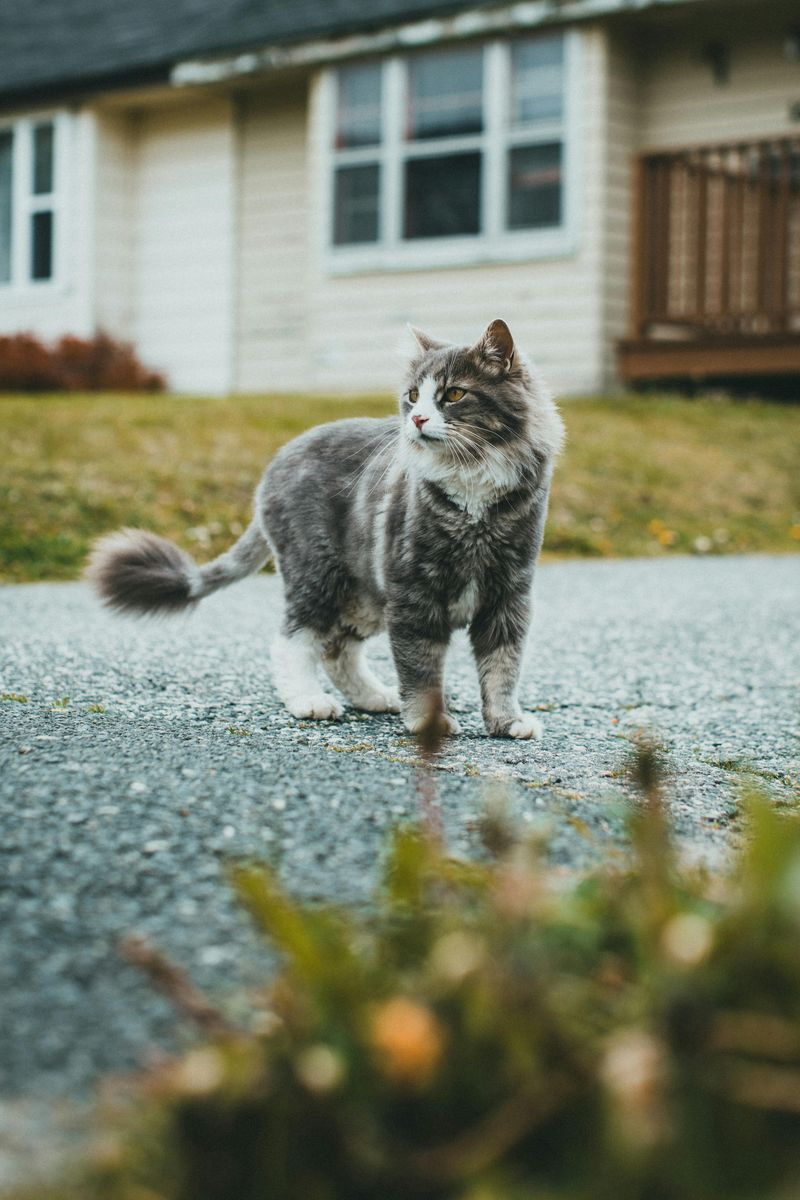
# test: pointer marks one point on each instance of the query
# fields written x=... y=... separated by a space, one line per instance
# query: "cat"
x=420 y=523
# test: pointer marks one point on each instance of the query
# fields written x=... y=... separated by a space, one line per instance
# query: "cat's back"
x=327 y=460
x=336 y=447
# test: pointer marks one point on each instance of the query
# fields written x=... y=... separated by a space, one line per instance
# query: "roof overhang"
x=470 y=23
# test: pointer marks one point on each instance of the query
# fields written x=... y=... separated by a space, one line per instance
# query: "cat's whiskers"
x=490 y=466
x=466 y=475
x=484 y=450
x=477 y=429
x=472 y=474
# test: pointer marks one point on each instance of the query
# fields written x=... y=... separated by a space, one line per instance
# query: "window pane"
x=356 y=205
x=358 y=120
x=537 y=80
x=445 y=94
x=442 y=196
x=42 y=245
x=43 y=159
x=534 y=192
x=6 y=149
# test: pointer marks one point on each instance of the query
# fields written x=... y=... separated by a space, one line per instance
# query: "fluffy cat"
x=420 y=524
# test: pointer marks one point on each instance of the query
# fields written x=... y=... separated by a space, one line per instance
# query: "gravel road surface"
x=136 y=758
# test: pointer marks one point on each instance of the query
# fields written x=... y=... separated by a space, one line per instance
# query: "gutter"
x=473 y=22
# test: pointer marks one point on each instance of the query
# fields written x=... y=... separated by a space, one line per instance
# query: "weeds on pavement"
x=487 y=1032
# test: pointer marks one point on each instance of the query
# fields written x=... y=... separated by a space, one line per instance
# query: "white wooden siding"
x=681 y=104
x=303 y=327
x=621 y=134
x=115 y=181
x=551 y=305
x=195 y=227
x=184 y=237
x=662 y=94
x=273 y=283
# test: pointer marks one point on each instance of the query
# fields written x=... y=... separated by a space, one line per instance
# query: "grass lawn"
x=640 y=475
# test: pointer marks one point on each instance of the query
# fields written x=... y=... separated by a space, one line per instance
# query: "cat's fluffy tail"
x=138 y=572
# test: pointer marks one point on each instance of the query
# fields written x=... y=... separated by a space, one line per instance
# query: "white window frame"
x=24 y=202
x=495 y=243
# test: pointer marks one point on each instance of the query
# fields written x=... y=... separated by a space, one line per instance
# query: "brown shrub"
x=73 y=364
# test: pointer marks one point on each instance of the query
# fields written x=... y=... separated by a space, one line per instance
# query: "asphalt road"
x=136 y=758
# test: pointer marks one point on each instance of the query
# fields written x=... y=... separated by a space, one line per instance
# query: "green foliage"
x=488 y=1032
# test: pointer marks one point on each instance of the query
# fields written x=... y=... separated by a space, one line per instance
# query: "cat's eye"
x=413 y=395
x=453 y=394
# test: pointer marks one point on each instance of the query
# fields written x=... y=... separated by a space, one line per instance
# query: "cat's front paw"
x=319 y=707
x=525 y=726
x=383 y=700
x=444 y=724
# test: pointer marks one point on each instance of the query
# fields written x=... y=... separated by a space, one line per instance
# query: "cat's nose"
x=419 y=421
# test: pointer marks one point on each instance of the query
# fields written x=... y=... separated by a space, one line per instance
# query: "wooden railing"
x=717 y=241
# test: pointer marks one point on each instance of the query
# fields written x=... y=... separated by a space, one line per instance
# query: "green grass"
x=640 y=475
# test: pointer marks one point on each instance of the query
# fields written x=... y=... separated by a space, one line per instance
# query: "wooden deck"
x=715 y=283
x=639 y=361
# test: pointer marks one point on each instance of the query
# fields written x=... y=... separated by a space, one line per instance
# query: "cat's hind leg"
x=295 y=662
x=347 y=667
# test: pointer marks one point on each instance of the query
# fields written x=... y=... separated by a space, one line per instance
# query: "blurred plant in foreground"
x=486 y=1032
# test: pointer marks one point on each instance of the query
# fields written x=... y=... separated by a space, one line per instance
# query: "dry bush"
x=73 y=364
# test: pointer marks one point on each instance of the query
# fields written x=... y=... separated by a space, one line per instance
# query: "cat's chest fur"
x=437 y=551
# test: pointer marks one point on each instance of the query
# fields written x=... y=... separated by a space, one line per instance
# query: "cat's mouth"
x=418 y=437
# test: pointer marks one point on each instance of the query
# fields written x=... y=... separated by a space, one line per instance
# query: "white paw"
x=319 y=707
x=380 y=701
x=526 y=726
x=447 y=725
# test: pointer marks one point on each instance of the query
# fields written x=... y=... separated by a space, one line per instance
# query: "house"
x=259 y=194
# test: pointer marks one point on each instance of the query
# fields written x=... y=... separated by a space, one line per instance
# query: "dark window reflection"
x=356 y=205
x=359 y=106
x=534 y=192
x=442 y=196
x=42 y=245
x=43 y=159
x=445 y=94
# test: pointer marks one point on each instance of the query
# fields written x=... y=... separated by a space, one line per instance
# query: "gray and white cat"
x=420 y=524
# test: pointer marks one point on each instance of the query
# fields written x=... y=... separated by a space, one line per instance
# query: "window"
x=29 y=201
x=444 y=109
x=456 y=154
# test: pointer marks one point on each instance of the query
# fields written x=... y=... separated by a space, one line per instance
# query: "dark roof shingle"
x=54 y=46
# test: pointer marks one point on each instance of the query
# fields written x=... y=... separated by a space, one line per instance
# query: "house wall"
x=681 y=104
x=184 y=209
x=552 y=305
x=301 y=326
x=210 y=219
x=195 y=226
x=662 y=94
x=273 y=283
x=115 y=224
x=622 y=98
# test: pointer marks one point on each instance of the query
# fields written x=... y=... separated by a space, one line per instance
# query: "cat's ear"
x=496 y=346
x=425 y=342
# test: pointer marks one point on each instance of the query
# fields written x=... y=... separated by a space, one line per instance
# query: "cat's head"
x=467 y=404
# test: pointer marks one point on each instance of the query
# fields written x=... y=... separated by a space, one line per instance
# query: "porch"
x=715 y=279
